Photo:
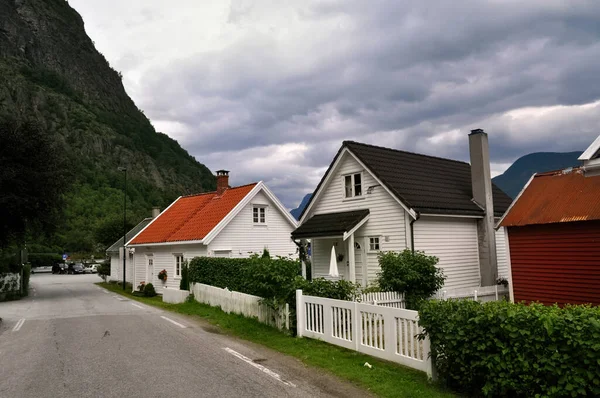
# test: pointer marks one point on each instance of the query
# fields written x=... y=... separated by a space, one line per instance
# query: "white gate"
x=383 y=332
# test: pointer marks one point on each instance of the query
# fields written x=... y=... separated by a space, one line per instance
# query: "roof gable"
x=191 y=218
x=556 y=197
x=114 y=248
x=426 y=184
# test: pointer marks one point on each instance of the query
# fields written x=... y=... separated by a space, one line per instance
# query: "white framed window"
x=353 y=185
x=178 y=265
x=374 y=244
x=259 y=215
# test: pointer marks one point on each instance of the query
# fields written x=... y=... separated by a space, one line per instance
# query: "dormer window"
x=259 y=215
x=353 y=185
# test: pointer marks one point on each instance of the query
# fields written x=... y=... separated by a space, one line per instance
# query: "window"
x=374 y=244
x=353 y=185
x=259 y=215
x=178 y=265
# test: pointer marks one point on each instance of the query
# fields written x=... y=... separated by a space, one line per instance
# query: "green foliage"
x=26 y=276
x=184 y=283
x=104 y=270
x=9 y=260
x=110 y=230
x=500 y=349
x=321 y=287
x=413 y=273
x=149 y=290
x=266 y=253
x=33 y=177
x=44 y=259
x=372 y=288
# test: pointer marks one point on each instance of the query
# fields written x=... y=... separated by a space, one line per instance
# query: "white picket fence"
x=383 y=332
x=242 y=304
x=482 y=293
x=386 y=299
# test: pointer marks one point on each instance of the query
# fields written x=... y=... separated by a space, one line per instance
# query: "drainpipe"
x=412 y=233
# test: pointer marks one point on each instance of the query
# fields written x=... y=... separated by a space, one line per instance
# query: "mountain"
x=517 y=175
x=50 y=71
x=298 y=211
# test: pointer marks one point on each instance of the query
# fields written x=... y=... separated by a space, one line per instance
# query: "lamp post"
x=124 y=170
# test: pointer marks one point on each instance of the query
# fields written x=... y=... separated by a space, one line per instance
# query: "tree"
x=110 y=230
x=33 y=178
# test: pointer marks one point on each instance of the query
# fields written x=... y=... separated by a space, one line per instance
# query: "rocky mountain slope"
x=50 y=71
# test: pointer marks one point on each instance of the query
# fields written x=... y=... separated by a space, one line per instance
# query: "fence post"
x=299 y=313
x=355 y=326
x=287 y=316
x=475 y=295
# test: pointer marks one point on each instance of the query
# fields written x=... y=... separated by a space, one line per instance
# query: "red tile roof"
x=555 y=197
x=192 y=217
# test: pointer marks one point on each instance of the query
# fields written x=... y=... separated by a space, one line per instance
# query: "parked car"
x=75 y=268
x=59 y=268
x=90 y=268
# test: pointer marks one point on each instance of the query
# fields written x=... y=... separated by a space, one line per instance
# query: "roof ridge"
x=558 y=171
x=214 y=192
x=403 y=151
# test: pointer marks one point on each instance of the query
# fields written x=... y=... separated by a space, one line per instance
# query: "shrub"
x=26 y=276
x=44 y=259
x=413 y=273
x=149 y=290
x=104 y=271
x=184 y=283
x=321 y=287
x=266 y=253
x=516 y=350
x=220 y=272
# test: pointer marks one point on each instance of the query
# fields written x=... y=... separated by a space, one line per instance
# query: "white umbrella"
x=333 y=269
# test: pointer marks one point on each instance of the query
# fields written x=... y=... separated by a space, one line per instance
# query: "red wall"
x=556 y=263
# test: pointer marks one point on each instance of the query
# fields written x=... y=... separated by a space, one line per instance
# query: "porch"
x=338 y=251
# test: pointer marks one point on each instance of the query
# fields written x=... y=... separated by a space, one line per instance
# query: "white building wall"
x=164 y=258
x=243 y=237
x=454 y=241
x=386 y=219
x=116 y=267
x=502 y=253
x=115 y=261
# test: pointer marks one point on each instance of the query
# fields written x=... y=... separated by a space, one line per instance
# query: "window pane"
x=357 y=185
x=348 y=186
x=262 y=215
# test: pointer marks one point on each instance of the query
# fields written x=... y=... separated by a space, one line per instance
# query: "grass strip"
x=384 y=379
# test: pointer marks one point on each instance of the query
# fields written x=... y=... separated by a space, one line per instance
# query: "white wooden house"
x=374 y=199
x=230 y=222
x=115 y=252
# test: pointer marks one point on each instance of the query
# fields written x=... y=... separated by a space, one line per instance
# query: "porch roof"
x=330 y=224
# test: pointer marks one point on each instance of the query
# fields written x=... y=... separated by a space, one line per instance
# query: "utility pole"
x=124 y=169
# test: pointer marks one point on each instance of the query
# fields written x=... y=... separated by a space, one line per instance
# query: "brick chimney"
x=155 y=211
x=481 y=182
x=222 y=181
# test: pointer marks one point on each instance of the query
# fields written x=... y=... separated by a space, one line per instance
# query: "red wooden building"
x=554 y=235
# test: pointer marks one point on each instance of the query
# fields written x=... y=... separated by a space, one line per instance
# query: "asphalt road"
x=70 y=338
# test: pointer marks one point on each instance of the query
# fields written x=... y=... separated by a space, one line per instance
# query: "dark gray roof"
x=427 y=184
x=114 y=248
x=330 y=224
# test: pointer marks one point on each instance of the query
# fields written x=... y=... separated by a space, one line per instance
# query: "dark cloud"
x=277 y=101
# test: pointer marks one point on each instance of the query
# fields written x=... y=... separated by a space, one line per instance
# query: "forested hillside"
x=51 y=72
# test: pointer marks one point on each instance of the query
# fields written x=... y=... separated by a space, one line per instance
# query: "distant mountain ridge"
x=516 y=176
x=297 y=212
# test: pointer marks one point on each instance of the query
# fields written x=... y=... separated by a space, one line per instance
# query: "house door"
x=149 y=269
x=359 y=264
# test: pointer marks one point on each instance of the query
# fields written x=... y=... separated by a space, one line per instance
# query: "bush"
x=184 y=283
x=44 y=259
x=517 y=350
x=104 y=271
x=149 y=290
x=321 y=287
x=413 y=273
x=26 y=276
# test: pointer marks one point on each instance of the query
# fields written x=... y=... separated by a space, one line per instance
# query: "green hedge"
x=270 y=278
x=502 y=349
x=26 y=276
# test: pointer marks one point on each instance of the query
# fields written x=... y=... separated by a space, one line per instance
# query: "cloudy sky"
x=270 y=88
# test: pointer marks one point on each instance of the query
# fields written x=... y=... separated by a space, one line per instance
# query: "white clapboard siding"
x=383 y=332
x=454 y=241
x=243 y=237
x=242 y=304
x=502 y=253
x=164 y=258
x=386 y=217
x=115 y=264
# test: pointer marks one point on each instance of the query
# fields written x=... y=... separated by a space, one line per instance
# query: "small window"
x=353 y=185
x=178 y=265
x=259 y=215
x=374 y=244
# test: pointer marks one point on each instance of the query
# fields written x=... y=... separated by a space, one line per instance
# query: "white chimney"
x=481 y=182
x=155 y=212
